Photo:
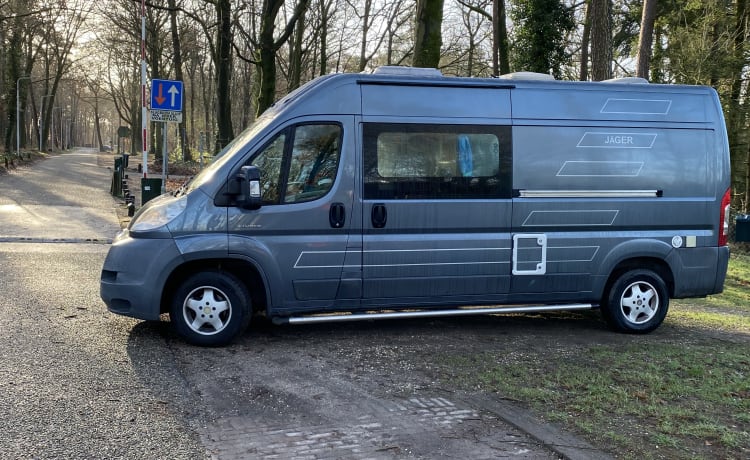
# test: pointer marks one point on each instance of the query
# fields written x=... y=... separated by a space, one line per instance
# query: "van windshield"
x=226 y=154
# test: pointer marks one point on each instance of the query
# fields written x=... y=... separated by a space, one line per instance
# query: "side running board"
x=372 y=315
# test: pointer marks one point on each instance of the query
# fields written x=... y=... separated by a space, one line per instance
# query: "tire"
x=637 y=302
x=210 y=309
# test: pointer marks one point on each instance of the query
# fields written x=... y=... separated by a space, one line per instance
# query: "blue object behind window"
x=465 y=157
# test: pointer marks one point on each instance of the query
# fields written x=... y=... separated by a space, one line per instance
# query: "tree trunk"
x=47 y=114
x=325 y=8
x=740 y=35
x=267 y=58
x=737 y=111
x=365 y=28
x=496 y=36
x=645 y=40
x=295 y=54
x=601 y=40
x=500 y=52
x=177 y=51
x=14 y=72
x=97 y=125
x=428 y=38
x=193 y=90
x=585 y=41
x=224 y=74
x=247 y=96
x=267 y=48
x=136 y=137
x=207 y=82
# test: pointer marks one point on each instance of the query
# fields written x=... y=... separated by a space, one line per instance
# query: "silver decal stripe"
x=315 y=259
x=579 y=250
x=617 y=140
x=579 y=168
x=585 y=217
x=637 y=106
x=377 y=257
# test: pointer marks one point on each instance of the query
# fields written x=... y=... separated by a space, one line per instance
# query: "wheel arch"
x=637 y=253
x=243 y=270
x=657 y=265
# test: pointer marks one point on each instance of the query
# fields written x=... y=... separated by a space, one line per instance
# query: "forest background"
x=70 y=70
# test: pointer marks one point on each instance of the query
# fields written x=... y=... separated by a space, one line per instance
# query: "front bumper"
x=134 y=274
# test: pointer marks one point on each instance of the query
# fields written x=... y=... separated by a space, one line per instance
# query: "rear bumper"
x=699 y=271
x=134 y=274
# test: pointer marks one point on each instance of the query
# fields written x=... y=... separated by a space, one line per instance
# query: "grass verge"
x=10 y=161
x=663 y=401
x=682 y=392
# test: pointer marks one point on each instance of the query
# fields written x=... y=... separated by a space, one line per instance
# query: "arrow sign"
x=159 y=98
x=166 y=95
x=174 y=92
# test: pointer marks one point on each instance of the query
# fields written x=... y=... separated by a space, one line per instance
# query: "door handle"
x=337 y=215
x=379 y=215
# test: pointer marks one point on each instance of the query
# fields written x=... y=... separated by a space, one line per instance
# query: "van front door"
x=436 y=213
x=299 y=236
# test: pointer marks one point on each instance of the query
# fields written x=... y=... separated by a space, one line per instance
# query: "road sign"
x=166 y=95
x=166 y=116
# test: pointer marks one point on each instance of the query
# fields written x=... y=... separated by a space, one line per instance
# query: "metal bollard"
x=130 y=202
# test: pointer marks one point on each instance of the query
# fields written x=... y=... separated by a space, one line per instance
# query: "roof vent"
x=527 y=76
x=628 y=80
x=410 y=71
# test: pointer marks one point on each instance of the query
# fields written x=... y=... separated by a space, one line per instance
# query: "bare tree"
x=646 y=37
x=266 y=45
x=65 y=26
x=499 y=51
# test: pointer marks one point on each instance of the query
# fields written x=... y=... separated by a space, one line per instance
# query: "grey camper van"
x=407 y=193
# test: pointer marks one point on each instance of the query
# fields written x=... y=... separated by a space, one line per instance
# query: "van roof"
x=343 y=93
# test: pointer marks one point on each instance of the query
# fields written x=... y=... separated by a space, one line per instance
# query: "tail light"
x=724 y=218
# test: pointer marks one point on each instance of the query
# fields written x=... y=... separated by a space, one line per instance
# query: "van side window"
x=413 y=161
x=300 y=163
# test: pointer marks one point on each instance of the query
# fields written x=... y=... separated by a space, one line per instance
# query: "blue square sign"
x=166 y=95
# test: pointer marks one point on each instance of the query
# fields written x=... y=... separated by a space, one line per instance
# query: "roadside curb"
x=560 y=442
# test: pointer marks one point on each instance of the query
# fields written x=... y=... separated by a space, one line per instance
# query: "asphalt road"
x=69 y=385
x=79 y=382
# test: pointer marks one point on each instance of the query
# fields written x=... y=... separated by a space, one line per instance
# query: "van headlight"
x=158 y=213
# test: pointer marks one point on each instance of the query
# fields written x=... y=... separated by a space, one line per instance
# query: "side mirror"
x=249 y=179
